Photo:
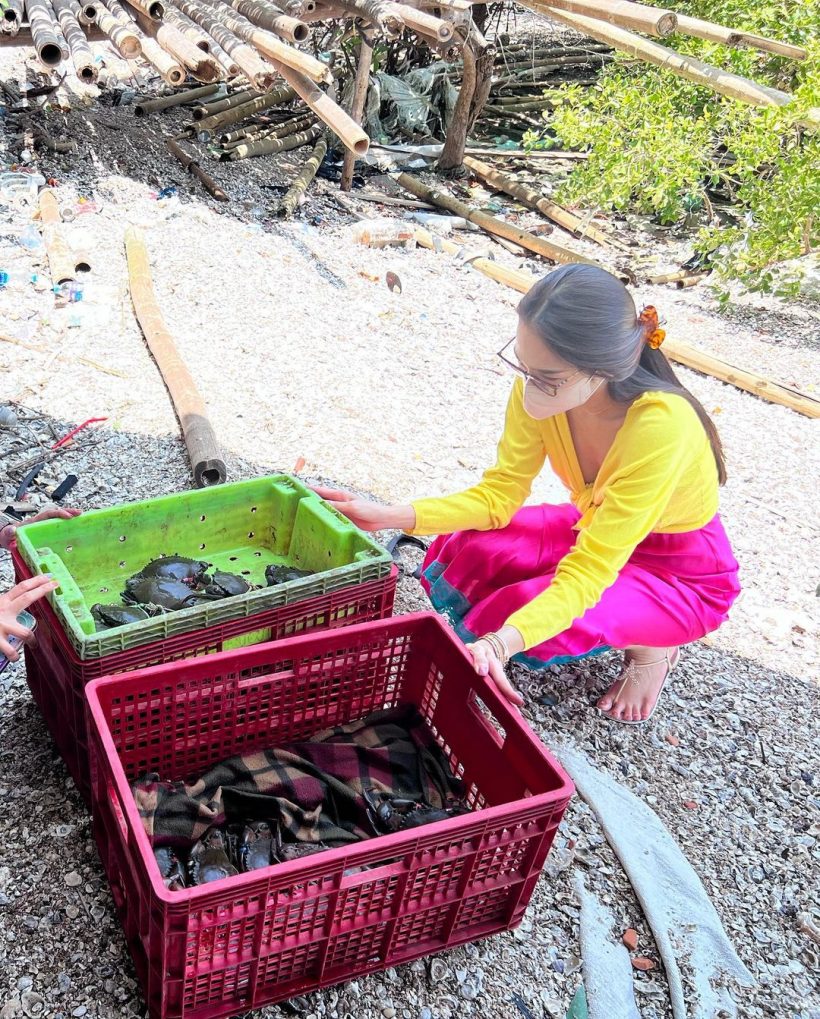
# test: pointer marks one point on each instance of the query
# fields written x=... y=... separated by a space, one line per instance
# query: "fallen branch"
x=203 y=451
x=193 y=167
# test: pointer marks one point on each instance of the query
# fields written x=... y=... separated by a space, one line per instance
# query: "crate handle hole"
x=202 y=546
x=232 y=559
x=122 y=537
x=258 y=555
x=250 y=534
x=488 y=719
x=69 y=548
x=202 y=518
x=103 y=590
x=253 y=509
x=122 y=564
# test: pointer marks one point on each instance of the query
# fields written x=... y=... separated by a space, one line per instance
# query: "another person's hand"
x=13 y=603
x=367 y=515
x=49 y=513
x=489 y=661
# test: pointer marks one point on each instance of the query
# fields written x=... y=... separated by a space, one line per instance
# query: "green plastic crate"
x=241 y=528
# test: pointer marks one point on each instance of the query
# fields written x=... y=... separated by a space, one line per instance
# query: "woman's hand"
x=487 y=663
x=367 y=515
x=49 y=513
x=13 y=603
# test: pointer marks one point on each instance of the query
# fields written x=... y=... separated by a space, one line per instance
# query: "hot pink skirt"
x=674 y=589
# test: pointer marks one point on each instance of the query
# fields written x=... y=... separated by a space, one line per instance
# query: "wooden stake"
x=357 y=109
x=727 y=84
x=535 y=200
x=496 y=227
x=682 y=353
x=303 y=181
x=203 y=450
x=651 y=20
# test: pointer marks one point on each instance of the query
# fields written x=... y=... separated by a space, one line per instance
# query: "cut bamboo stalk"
x=60 y=260
x=61 y=39
x=271 y=146
x=383 y=15
x=180 y=99
x=171 y=72
x=248 y=60
x=727 y=84
x=153 y=9
x=690 y=280
x=428 y=24
x=203 y=451
x=81 y=55
x=340 y=123
x=268 y=44
x=206 y=128
x=304 y=179
x=682 y=353
x=655 y=21
x=281 y=131
x=237 y=99
x=535 y=200
x=189 y=29
x=44 y=32
x=668 y=277
x=13 y=14
x=201 y=65
x=193 y=167
x=491 y=224
x=88 y=13
x=125 y=40
x=782 y=49
x=223 y=58
x=357 y=106
x=265 y=15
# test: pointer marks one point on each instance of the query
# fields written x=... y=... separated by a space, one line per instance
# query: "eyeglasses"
x=547 y=388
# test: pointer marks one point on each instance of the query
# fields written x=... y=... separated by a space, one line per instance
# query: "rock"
x=438 y=971
x=643 y=964
x=33 y=1004
x=425 y=1013
x=63 y=982
x=690 y=804
x=630 y=939
x=72 y=911
x=24 y=984
x=672 y=739
x=73 y=879
x=389 y=1012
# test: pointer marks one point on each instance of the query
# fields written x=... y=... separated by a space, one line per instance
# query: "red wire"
x=73 y=432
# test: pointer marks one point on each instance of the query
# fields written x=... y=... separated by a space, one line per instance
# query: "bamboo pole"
x=153 y=9
x=491 y=224
x=203 y=450
x=208 y=126
x=682 y=353
x=81 y=55
x=201 y=65
x=223 y=58
x=179 y=99
x=237 y=99
x=657 y=21
x=265 y=15
x=427 y=24
x=125 y=40
x=357 y=107
x=60 y=260
x=13 y=15
x=257 y=72
x=172 y=72
x=340 y=123
x=535 y=200
x=712 y=32
x=304 y=178
x=271 y=146
x=44 y=32
x=781 y=49
x=61 y=39
x=268 y=44
x=189 y=29
x=378 y=12
x=280 y=131
x=193 y=167
x=88 y=13
x=727 y=84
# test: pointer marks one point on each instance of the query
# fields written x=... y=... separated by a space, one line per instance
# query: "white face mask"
x=571 y=393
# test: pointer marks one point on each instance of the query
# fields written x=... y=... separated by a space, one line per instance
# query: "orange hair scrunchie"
x=653 y=334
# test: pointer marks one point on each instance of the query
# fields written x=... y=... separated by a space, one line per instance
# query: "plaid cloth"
x=313 y=789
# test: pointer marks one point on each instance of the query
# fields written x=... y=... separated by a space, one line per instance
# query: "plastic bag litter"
x=433 y=83
x=410 y=112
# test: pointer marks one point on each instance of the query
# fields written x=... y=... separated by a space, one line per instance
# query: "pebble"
x=425 y=1013
x=24 y=983
x=672 y=739
x=73 y=879
x=72 y=911
x=630 y=938
x=389 y=1012
x=79 y=1011
x=64 y=982
x=643 y=964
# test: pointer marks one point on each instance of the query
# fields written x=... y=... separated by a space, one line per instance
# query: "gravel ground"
x=301 y=351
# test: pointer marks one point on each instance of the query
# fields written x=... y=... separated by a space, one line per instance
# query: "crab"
x=223 y=585
x=174 y=567
x=388 y=814
x=170 y=868
x=106 y=616
x=288 y=851
x=255 y=848
x=209 y=860
x=166 y=593
x=277 y=573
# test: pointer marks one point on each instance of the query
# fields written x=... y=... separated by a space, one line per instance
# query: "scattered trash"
x=30 y=238
x=393 y=283
x=67 y=438
x=8 y=419
x=384 y=233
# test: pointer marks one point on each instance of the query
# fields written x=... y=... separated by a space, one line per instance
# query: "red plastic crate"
x=57 y=677
x=262 y=937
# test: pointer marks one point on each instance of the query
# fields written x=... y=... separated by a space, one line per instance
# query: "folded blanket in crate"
x=314 y=789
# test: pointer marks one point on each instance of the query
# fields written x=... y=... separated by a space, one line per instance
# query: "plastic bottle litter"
x=30 y=238
x=384 y=233
x=69 y=293
x=17 y=278
x=20 y=185
x=441 y=224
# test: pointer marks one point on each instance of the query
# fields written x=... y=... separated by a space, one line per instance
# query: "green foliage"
x=658 y=144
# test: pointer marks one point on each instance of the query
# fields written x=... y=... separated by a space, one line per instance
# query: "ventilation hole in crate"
x=258 y=555
x=122 y=564
x=202 y=518
x=103 y=590
x=69 y=548
x=246 y=573
x=253 y=509
x=232 y=559
x=202 y=546
x=250 y=534
x=122 y=537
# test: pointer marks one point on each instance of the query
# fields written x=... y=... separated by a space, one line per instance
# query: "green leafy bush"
x=659 y=144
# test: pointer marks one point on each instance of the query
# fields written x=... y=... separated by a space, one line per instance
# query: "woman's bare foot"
x=634 y=694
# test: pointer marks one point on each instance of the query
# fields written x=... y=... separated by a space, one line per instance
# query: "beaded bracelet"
x=499 y=646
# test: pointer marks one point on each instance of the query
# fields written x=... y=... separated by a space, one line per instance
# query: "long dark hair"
x=588 y=318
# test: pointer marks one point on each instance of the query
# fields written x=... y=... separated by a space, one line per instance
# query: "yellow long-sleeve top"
x=659 y=475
